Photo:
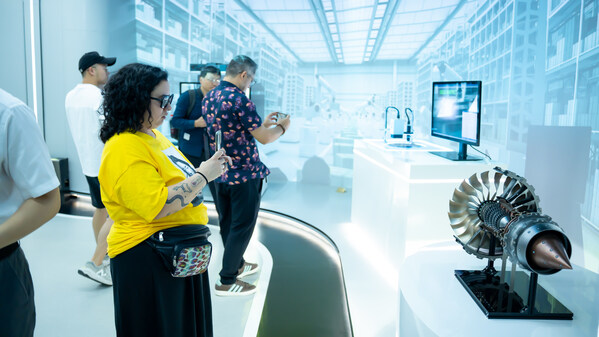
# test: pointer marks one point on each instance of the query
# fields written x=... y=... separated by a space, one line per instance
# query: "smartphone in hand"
x=218 y=139
x=281 y=115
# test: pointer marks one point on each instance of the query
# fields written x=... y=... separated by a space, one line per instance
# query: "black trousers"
x=148 y=301
x=238 y=207
x=196 y=161
x=17 y=306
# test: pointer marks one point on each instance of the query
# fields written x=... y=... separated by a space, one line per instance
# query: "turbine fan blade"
x=496 y=180
x=508 y=188
x=475 y=182
x=462 y=197
x=471 y=191
x=456 y=207
x=457 y=218
x=474 y=237
x=485 y=178
x=504 y=185
x=463 y=221
x=459 y=230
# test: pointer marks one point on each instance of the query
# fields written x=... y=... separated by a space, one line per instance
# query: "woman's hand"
x=270 y=120
x=215 y=166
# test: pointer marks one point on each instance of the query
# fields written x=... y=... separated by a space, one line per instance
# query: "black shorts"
x=94 y=191
x=17 y=310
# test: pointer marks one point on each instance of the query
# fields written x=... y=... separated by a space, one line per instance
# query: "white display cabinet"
x=199 y=35
x=198 y=56
x=563 y=35
x=149 y=11
x=201 y=10
x=176 y=54
x=177 y=21
x=149 y=43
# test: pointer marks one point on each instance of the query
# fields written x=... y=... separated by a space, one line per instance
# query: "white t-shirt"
x=82 y=104
x=26 y=170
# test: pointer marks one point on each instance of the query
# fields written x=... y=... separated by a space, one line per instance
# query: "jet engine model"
x=496 y=214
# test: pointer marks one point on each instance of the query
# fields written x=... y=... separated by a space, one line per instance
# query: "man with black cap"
x=82 y=104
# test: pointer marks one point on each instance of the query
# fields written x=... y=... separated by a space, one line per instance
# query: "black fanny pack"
x=185 y=250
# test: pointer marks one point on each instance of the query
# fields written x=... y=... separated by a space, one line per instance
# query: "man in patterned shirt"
x=226 y=108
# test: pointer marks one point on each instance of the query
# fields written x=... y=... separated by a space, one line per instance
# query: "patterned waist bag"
x=185 y=250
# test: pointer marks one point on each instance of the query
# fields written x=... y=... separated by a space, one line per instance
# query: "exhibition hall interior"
x=439 y=175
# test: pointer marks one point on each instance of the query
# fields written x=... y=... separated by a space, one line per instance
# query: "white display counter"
x=402 y=195
x=400 y=200
x=434 y=303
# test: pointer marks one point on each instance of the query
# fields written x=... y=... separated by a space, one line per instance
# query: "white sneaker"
x=106 y=261
x=100 y=274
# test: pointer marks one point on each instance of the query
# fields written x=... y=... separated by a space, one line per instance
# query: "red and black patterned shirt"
x=228 y=109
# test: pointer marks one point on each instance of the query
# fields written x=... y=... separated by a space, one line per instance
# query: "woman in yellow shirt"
x=148 y=186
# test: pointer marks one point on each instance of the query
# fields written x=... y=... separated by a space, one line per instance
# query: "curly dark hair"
x=127 y=98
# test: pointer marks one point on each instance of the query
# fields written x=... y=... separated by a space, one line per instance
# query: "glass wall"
x=538 y=61
x=174 y=34
x=539 y=66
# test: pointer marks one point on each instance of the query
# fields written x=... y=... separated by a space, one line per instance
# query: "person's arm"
x=179 y=121
x=181 y=194
x=32 y=213
x=199 y=123
x=266 y=133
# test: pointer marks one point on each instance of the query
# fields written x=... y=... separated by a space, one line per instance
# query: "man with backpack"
x=191 y=126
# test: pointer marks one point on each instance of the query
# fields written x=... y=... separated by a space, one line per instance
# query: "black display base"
x=496 y=301
x=455 y=156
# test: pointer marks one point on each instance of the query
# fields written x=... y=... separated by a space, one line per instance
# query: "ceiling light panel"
x=413 y=25
x=355 y=26
x=349 y=4
x=380 y=11
x=352 y=15
x=295 y=24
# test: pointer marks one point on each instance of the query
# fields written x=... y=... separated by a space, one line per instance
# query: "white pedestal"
x=403 y=194
x=434 y=303
x=400 y=197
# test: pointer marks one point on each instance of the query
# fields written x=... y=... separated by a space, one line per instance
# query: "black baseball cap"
x=91 y=58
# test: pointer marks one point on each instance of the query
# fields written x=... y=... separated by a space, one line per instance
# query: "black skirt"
x=148 y=301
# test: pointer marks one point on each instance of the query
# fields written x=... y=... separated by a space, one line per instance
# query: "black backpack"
x=192 y=101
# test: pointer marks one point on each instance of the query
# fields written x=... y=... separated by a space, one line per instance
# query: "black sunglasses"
x=164 y=100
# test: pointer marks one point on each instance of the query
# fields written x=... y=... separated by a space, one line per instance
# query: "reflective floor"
x=69 y=305
x=305 y=293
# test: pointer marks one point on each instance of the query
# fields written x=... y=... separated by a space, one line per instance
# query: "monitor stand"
x=457 y=156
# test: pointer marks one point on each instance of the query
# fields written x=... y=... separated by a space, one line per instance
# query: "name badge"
x=186 y=136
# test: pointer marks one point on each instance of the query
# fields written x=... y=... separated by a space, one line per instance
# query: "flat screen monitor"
x=456 y=116
x=184 y=86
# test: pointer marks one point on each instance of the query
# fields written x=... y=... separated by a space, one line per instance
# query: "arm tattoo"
x=184 y=187
x=177 y=197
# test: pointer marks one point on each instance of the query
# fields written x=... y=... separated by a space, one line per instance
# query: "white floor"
x=372 y=300
x=68 y=304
